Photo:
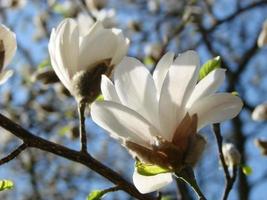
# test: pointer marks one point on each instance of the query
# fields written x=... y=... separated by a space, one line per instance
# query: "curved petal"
x=122 y=123
x=147 y=184
x=10 y=43
x=85 y=22
x=121 y=51
x=58 y=67
x=136 y=88
x=207 y=86
x=108 y=90
x=69 y=45
x=162 y=69
x=5 y=75
x=216 y=108
x=177 y=86
x=98 y=45
x=63 y=50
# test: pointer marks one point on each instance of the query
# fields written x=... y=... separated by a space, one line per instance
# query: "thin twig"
x=79 y=157
x=112 y=189
x=217 y=132
x=236 y=13
x=13 y=154
x=230 y=184
x=83 y=137
x=229 y=180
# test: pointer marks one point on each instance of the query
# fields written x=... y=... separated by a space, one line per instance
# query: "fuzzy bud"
x=231 y=155
x=262 y=145
x=47 y=76
x=195 y=150
x=260 y=113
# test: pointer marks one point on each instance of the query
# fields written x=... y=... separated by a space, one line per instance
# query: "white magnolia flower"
x=157 y=116
x=231 y=155
x=8 y=47
x=79 y=60
x=260 y=113
x=262 y=39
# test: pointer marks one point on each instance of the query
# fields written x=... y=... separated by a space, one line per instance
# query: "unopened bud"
x=260 y=112
x=262 y=39
x=195 y=150
x=262 y=144
x=96 y=4
x=135 y=26
x=47 y=76
x=231 y=155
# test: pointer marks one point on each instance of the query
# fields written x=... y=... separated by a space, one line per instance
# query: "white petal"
x=69 y=45
x=98 y=45
x=10 y=43
x=58 y=67
x=122 y=50
x=147 y=184
x=161 y=69
x=108 y=90
x=216 y=108
x=85 y=22
x=177 y=86
x=207 y=86
x=5 y=75
x=136 y=89
x=63 y=50
x=122 y=123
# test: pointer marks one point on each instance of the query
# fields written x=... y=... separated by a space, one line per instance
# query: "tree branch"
x=80 y=157
x=235 y=14
x=83 y=137
x=219 y=139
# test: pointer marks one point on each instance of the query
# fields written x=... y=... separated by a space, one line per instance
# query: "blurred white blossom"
x=79 y=60
x=262 y=39
x=95 y=4
x=8 y=47
x=156 y=117
x=15 y=4
x=107 y=16
x=153 y=5
x=260 y=112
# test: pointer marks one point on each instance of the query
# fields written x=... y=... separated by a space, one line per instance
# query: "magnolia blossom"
x=262 y=39
x=8 y=47
x=79 y=60
x=156 y=117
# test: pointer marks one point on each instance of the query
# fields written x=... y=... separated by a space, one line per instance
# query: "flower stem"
x=83 y=138
x=187 y=175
